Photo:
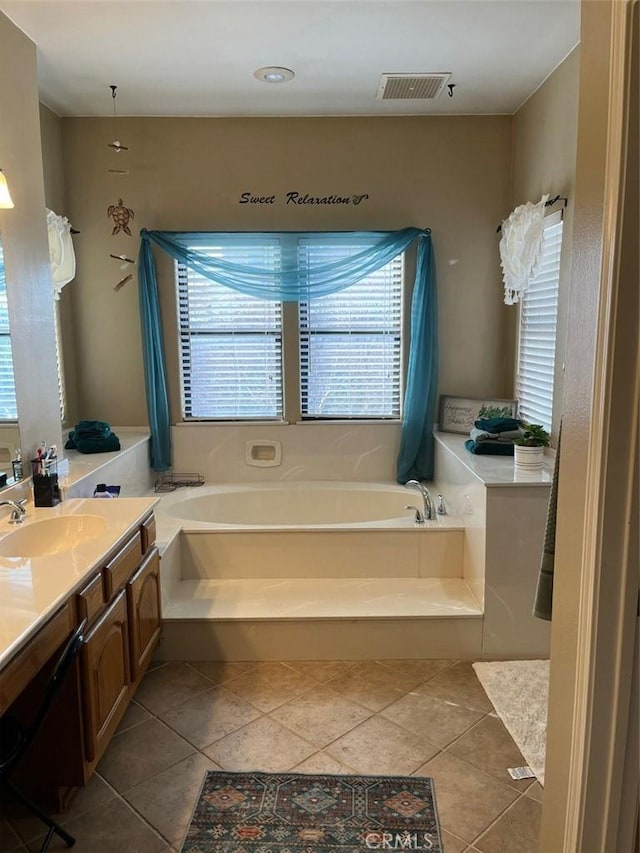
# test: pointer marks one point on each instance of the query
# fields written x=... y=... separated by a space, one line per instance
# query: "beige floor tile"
x=133 y=715
x=270 y=685
x=535 y=791
x=468 y=800
x=321 y=670
x=458 y=684
x=451 y=843
x=379 y=746
x=322 y=763
x=170 y=685
x=219 y=671
x=419 y=669
x=517 y=829
x=372 y=685
x=438 y=720
x=9 y=840
x=490 y=747
x=260 y=745
x=95 y=794
x=320 y=715
x=209 y=716
x=111 y=829
x=141 y=752
x=167 y=801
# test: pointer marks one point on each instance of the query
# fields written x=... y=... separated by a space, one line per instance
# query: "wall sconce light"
x=6 y=202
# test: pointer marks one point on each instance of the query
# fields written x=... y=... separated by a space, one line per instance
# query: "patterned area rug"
x=301 y=813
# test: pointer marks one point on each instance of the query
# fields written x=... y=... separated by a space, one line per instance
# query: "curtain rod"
x=548 y=203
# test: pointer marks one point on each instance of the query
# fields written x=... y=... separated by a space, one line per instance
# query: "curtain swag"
x=291 y=284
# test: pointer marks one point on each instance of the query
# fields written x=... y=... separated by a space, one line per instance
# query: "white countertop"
x=496 y=470
x=31 y=589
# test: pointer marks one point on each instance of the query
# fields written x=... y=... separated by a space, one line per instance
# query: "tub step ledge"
x=320 y=618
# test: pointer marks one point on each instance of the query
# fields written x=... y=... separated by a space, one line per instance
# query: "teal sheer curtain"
x=290 y=284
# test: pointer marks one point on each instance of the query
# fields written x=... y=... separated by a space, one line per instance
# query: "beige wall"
x=55 y=196
x=544 y=161
x=451 y=174
x=24 y=237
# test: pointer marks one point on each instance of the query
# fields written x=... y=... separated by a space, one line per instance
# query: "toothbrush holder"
x=46 y=489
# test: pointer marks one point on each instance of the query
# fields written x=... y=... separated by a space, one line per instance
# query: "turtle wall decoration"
x=121 y=216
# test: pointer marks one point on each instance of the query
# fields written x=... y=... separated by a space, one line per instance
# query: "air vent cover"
x=410 y=87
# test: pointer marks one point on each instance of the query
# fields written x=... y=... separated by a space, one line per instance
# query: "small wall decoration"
x=457 y=414
x=121 y=216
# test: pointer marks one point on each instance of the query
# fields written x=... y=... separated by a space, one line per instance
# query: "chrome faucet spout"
x=429 y=508
x=18 y=510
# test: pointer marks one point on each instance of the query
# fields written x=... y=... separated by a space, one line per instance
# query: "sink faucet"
x=18 y=510
x=429 y=509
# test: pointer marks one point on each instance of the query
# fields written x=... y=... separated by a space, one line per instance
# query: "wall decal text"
x=301 y=198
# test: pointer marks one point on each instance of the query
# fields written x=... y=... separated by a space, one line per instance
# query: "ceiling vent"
x=411 y=87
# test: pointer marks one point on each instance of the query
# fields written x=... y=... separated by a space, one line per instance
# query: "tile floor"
x=427 y=717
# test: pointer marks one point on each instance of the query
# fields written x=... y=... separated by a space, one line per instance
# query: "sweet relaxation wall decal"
x=301 y=198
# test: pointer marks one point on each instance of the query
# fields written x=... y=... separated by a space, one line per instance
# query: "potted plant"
x=529 y=449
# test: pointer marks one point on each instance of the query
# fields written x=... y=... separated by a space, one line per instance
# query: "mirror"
x=9 y=429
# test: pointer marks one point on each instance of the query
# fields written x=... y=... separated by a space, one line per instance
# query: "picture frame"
x=458 y=414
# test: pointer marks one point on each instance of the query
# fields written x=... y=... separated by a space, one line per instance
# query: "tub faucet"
x=18 y=510
x=429 y=509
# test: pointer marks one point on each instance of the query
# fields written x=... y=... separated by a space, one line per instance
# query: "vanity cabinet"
x=106 y=676
x=120 y=602
x=143 y=600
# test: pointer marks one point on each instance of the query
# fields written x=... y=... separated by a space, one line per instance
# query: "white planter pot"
x=528 y=457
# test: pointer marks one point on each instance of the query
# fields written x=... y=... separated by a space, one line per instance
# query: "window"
x=537 y=331
x=345 y=348
x=8 y=407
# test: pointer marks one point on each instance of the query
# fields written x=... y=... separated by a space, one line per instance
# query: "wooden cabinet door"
x=105 y=676
x=143 y=596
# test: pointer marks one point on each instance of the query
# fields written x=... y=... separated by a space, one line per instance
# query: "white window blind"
x=537 y=331
x=230 y=344
x=8 y=407
x=350 y=342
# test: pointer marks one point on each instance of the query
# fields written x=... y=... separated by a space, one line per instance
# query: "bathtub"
x=308 y=529
x=295 y=505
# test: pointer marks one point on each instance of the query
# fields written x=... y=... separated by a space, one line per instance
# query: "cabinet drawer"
x=30 y=660
x=91 y=600
x=148 y=531
x=118 y=571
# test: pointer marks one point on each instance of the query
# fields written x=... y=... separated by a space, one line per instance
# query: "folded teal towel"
x=92 y=437
x=497 y=424
x=489 y=448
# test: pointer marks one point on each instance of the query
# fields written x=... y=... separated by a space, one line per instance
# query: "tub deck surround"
x=351 y=574
x=129 y=467
x=503 y=512
x=32 y=588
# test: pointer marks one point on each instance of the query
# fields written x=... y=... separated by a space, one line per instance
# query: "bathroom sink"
x=51 y=536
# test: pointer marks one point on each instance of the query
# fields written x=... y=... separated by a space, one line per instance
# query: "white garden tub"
x=309 y=529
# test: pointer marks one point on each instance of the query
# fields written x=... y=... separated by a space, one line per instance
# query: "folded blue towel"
x=497 y=424
x=489 y=448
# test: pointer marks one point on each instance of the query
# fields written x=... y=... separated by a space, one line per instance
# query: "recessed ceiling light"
x=274 y=74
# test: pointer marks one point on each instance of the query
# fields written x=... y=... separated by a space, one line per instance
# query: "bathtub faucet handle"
x=419 y=517
x=441 y=507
